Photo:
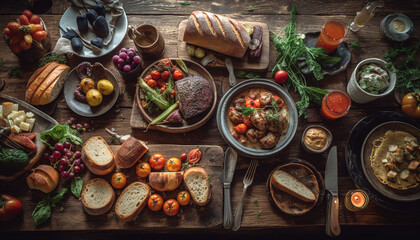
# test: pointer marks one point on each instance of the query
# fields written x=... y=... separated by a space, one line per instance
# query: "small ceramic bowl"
x=357 y=94
x=131 y=75
x=311 y=150
x=402 y=33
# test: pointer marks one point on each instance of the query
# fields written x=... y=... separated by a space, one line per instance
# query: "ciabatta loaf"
x=98 y=156
x=218 y=33
x=132 y=201
x=197 y=182
x=165 y=181
x=289 y=184
x=45 y=84
x=130 y=152
x=97 y=196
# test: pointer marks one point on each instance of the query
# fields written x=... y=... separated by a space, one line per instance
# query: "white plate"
x=69 y=20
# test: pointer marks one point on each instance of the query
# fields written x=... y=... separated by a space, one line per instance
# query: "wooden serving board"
x=238 y=64
x=42 y=122
x=72 y=217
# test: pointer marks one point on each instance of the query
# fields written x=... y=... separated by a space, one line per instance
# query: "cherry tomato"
x=247 y=121
x=35 y=19
x=10 y=207
x=24 y=45
x=33 y=28
x=281 y=76
x=39 y=35
x=28 y=38
x=165 y=75
x=183 y=157
x=27 y=13
x=15 y=48
x=279 y=101
x=147 y=77
x=8 y=32
x=39 y=27
x=410 y=105
x=152 y=83
x=162 y=82
x=14 y=27
x=118 y=180
x=23 y=20
x=173 y=93
x=155 y=74
x=155 y=202
x=143 y=169
x=157 y=161
x=15 y=40
x=171 y=207
x=183 y=198
x=173 y=165
x=240 y=128
x=162 y=90
x=194 y=156
x=178 y=74
x=252 y=103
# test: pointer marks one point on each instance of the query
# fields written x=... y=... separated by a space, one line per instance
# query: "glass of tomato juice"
x=335 y=104
x=332 y=34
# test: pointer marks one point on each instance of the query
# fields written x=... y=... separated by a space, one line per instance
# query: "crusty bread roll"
x=97 y=196
x=98 y=156
x=130 y=152
x=45 y=84
x=197 y=183
x=132 y=201
x=289 y=184
x=218 y=33
x=44 y=178
x=165 y=181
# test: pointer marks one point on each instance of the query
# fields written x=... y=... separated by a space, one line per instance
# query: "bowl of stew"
x=258 y=118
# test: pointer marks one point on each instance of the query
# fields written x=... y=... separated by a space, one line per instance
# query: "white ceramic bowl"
x=357 y=94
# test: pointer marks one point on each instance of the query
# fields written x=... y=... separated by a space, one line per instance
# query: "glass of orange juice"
x=332 y=34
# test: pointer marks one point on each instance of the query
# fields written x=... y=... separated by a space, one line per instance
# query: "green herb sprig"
x=42 y=211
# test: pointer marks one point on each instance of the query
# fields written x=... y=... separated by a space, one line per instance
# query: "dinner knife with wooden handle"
x=331 y=185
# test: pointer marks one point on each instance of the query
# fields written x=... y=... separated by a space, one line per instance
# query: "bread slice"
x=35 y=82
x=289 y=184
x=97 y=196
x=130 y=152
x=36 y=74
x=132 y=201
x=54 y=89
x=198 y=185
x=98 y=156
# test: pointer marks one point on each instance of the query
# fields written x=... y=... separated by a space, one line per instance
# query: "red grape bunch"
x=66 y=160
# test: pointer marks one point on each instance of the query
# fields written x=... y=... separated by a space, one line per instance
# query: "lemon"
x=86 y=84
x=93 y=97
x=105 y=87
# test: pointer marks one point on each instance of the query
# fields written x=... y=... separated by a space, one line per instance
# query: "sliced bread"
x=289 y=184
x=98 y=156
x=130 y=152
x=132 y=201
x=197 y=183
x=97 y=196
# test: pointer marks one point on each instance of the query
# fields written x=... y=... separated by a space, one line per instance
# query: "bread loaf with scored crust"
x=130 y=152
x=217 y=33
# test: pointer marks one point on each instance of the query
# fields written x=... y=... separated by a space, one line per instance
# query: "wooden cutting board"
x=238 y=64
x=72 y=217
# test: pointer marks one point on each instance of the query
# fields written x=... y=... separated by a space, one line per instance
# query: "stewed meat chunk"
x=266 y=98
x=268 y=141
x=258 y=120
x=235 y=116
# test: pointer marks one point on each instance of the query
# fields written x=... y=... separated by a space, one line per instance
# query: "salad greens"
x=289 y=50
x=42 y=211
x=60 y=133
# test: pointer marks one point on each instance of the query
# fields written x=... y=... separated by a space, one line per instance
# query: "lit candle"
x=356 y=200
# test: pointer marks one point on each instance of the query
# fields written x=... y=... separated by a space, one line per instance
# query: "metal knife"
x=331 y=185
x=228 y=170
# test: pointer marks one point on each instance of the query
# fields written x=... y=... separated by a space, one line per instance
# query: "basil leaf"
x=57 y=199
x=76 y=186
x=42 y=211
x=60 y=133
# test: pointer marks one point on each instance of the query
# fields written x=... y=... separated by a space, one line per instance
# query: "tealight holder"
x=356 y=200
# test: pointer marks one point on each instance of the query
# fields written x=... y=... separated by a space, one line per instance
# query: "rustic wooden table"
x=166 y=16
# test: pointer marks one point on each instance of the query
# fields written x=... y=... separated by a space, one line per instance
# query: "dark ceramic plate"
x=304 y=172
x=223 y=126
x=341 y=51
x=83 y=109
x=354 y=163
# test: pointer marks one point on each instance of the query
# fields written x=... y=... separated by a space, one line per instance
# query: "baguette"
x=97 y=196
x=218 y=33
x=197 y=183
x=130 y=152
x=165 y=181
x=132 y=201
x=289 y=184
x=98 y=156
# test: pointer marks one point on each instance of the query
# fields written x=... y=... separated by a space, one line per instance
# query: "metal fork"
x=248 y=179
